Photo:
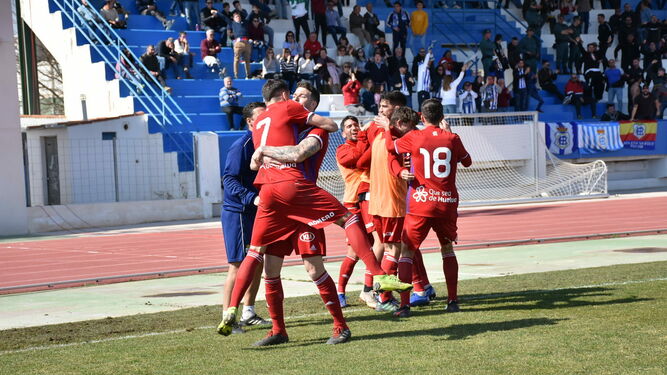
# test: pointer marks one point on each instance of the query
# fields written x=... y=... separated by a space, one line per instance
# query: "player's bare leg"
x=244 y=277
x=450 y=267
x=356 y=234
x=346 y=269
x=274 y=300
x=315 y=268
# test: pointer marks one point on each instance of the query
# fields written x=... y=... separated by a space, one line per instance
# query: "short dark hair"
x=397 y=3
x=405 y=114
x=235 y=1
x=432 y=111
x=348 y=117
x=419 y=1
x=273 y=88
x=314 y=93
x=395 y=98
x=249 y=108
x=609 y=105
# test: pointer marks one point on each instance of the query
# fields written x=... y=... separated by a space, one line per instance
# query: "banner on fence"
x=599 y=136
x=561 y=137
x=639 y=134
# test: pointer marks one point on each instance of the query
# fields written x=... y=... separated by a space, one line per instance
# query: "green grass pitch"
x=608 y=320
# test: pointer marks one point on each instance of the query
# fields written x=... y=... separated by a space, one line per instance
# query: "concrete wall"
x=13 y=213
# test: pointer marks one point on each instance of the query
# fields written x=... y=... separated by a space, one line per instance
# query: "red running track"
x=114 y=256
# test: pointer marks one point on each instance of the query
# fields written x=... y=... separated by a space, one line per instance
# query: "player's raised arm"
x=293 y=154
x=323 y=122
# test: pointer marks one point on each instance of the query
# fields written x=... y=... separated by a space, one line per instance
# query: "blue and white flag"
x=599 y=136
x=561 y=137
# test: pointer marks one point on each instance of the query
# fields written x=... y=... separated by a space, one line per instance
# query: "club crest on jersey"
x=562 y=139
x=420 y=194
x=307 y=237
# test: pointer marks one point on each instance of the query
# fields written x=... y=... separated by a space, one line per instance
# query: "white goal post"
x=510 y=163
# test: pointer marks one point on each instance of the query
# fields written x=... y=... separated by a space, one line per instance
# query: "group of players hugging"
x=400 y=182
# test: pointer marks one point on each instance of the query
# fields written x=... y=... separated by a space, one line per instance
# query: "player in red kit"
x=432 y=196
x=288 y=199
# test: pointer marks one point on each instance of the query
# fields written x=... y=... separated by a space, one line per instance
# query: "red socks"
x=389 y=264
x=419 y=275
x=368 y=280
x=356 y=235
x=451 y=268
x=405 y=275
x=245 y=275
x=328 y=293
x=274 y=300
x=346 y=269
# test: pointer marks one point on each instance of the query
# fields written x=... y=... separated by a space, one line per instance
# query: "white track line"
x=495 y=295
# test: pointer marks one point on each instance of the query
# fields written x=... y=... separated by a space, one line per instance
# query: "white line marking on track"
x=494 y=295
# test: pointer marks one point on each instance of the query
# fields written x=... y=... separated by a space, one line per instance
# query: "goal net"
x=510 y=163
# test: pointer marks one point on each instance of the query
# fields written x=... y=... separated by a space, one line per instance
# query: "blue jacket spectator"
x=229 y=102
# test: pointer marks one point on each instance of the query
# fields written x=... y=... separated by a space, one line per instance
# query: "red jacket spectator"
x=504 y=98
x=574 y=86
x=314 y=47
x=207 y=45
x=256 y=32
x=351 y=92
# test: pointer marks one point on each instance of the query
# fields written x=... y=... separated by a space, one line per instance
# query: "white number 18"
x=438 y=162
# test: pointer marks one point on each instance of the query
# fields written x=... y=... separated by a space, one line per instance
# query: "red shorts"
x=389 y=228
x=417 y=227
x=304 y=240
x=284 y=205
x=366 y=217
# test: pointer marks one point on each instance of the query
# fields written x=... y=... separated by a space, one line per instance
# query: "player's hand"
x=256 y=201
x=382 y=122
x=257 y=159
x=406 y=175
x=445 y=125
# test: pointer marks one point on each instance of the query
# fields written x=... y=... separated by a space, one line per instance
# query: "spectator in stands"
x=176 y=5
x=628 y=12
x=319 y=10
x=533 y=92
x=357 y=26
x=125 y=67
x=94 y=22
x=213 y=20
x=644 y=14
x=423 y=77
x=615 y=20
x=416 y=60
x=653 y=30
x=270 y=65
x=489 y=95
x=351 y=97
x=377 y=70
x=192 y=10
x=209 y=51
x=574 y=58
x=437 y=80
x=344 y=42
x=372 y=23
x=150 y=61
x=594 y=62
x=660 y=91
x=291 y=44
x=229 y=103
x=342 y=57
x=360 y=62
x=487 y=48
x=398 y=21
x=402 y=81
x=307 y=67
x=281 y=9
x=166 y=51
x=613 y=115
x=583 y=11
x=534 y=18
x=546 y=78
x=288 y=68
x=238 y=32
x=334 y=25
x=615 y=83
x=185 y=56
x=328 y=71
x=148 y=7
x=419 y=27
x=567 y=10
x=346 y=74
x=562 y=35
x=477 y=84
x=513 y=52
x=264 y=19
x=238 y=8
x=496 y=69
x=312 y=44
x=530 y=49
x=605 y=34
x=256 y=39
x=368 y=97
x=629 y=50
x=111 y=12
x=520 y=86
x=467 y=101
x=396 y=60
x=382 y=47
x=652 y=59
x=449 y=88
x=504 y=96
x=300 y=17
x=500 y=53
x=634 y=76
x=574 y=94
x=645 y=106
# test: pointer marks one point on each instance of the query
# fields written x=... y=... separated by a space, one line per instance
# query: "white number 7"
x=266 y=121
x=437 y=162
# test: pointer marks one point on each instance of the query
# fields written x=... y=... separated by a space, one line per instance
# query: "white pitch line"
x=347 y=311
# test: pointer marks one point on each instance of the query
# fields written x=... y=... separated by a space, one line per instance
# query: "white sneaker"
x=368 y=298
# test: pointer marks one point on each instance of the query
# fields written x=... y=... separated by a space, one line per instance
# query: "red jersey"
x=311 y=166
x=435 y=154
x=280 y=125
